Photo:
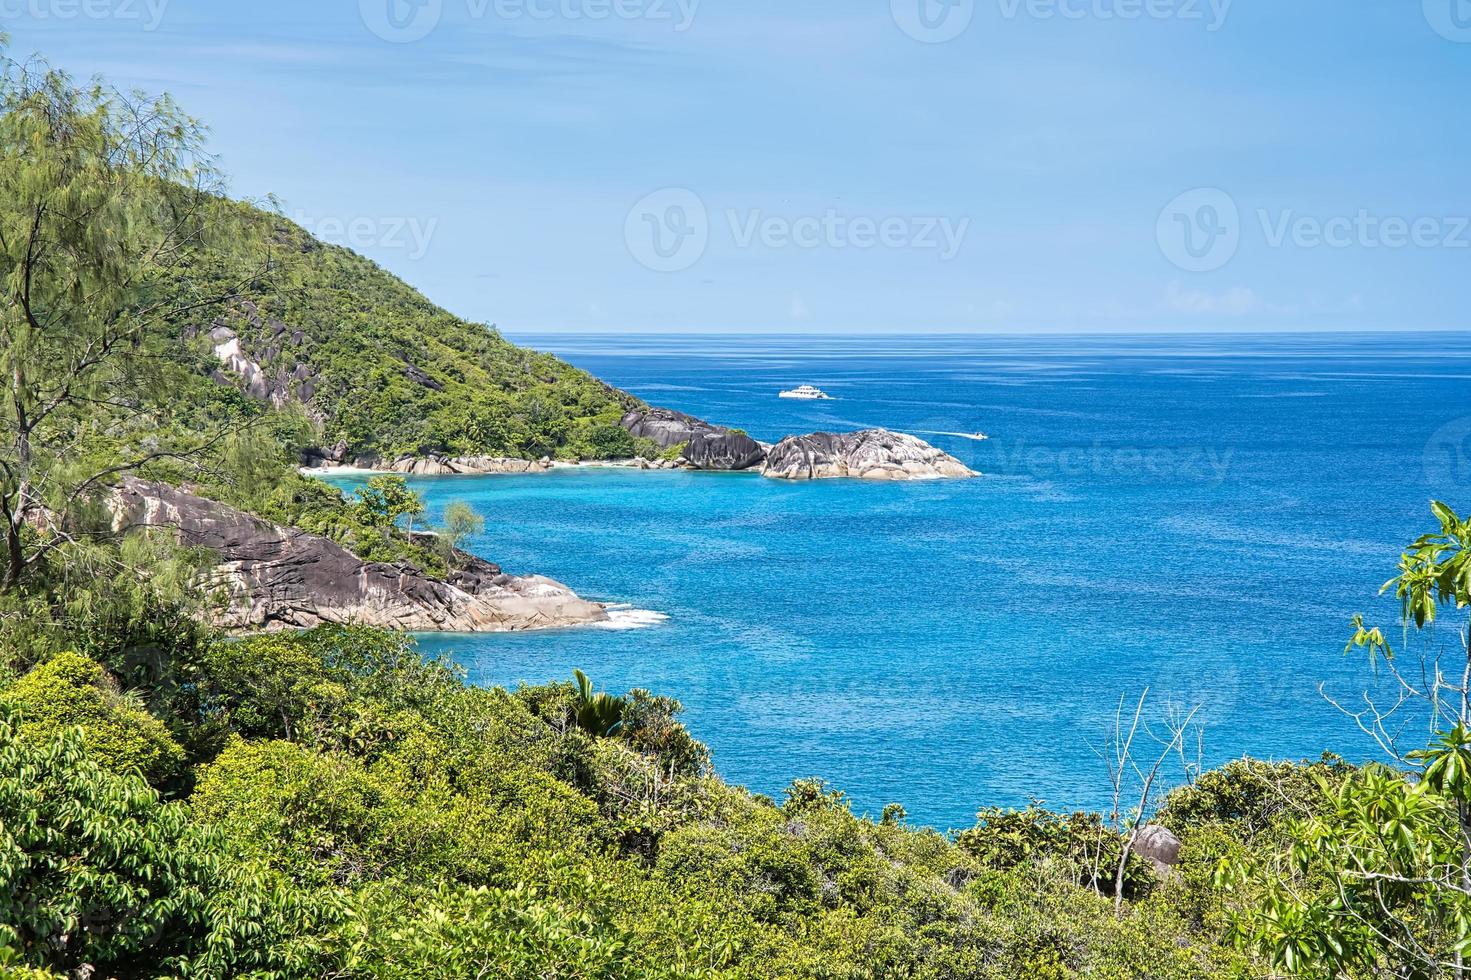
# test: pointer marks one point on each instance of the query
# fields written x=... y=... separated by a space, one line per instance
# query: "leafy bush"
x=70 y=691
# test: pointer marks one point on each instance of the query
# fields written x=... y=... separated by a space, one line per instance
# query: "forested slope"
x=379 y=367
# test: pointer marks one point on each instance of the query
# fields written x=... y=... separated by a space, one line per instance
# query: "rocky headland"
x=274 y=577
x=870 y=454
x=873 y=454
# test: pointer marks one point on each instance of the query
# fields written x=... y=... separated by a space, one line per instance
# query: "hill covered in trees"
x=378 y=368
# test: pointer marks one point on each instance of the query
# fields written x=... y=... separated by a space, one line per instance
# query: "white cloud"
x=1236 y=301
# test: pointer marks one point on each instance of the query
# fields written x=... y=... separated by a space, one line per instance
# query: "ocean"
x=1193 y=516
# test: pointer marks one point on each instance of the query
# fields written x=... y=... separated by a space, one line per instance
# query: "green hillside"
x=378 y=366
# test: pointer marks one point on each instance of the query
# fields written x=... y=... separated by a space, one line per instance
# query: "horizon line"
x=1140 y=332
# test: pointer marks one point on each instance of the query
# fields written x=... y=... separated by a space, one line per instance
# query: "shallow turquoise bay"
x=1199 y=516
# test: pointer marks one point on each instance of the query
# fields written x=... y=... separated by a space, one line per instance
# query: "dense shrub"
x=70 y=691
x=359 y=811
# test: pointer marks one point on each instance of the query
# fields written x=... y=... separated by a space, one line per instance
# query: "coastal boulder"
x=723 y=451
x=275 y=577
x=873 y=454
x=1159 y=847
x=666 y=427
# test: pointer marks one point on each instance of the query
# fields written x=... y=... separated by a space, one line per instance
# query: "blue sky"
x=848 y=165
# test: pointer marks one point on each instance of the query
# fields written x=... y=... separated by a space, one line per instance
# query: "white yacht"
x=807 y=393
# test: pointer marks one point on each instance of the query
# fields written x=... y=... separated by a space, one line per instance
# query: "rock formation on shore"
x=873 y=454
x=461 y=465
x=276 y=577
x=667 y=427
x=723 y=451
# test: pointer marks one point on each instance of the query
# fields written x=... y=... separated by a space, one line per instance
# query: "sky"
x=847 y=165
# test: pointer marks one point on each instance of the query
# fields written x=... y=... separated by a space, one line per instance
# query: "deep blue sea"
x=1198 y=516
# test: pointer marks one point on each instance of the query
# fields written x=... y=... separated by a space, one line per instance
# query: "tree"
x=1124 y=768
x=1380 y=883
x=386 y=499
x=460 y=523
x=103 y=198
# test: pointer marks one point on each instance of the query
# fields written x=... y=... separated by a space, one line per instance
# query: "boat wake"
x=972 y=436
x=624 y=617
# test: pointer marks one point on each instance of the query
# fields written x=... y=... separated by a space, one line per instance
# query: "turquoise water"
x=1198 y=516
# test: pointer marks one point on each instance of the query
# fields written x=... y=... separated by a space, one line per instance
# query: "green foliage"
x=651 y=727
x=451 y=931
x=391 y=374
x=357 y=810
x=1360 y=879
x=1436 y=570
x=1374 y=879
x=461 y=523
x=1251 y=796
x=98 y=873
x=386 y=500
x=599 y=714
x=103 y=198
x=70 y=691
x=335 y=687
x=1077 y=846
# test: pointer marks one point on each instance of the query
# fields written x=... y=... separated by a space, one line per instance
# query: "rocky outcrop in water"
x=723 y=451
x=277 y=577
x=667 y=427
x=873 y=454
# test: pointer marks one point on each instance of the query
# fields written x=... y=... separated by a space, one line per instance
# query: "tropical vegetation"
x=331 y=803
